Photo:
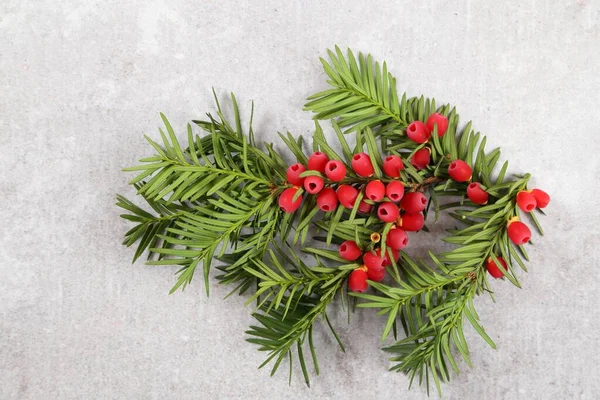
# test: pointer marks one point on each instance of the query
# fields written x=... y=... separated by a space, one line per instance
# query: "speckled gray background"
x=81 y=82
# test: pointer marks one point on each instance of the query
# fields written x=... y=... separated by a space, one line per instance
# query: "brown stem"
x=431 y=180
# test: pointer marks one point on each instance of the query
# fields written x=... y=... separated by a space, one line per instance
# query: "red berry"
x=286 y=202
x=477 y=194
x=357 y=282
x=317 y=161
x=349 y=250
x=335 y=170
x=327 y=200
x=364 y=208
x=376 y=275
x=293 y=174
x=396 y=254
x=542 y=198
x=417 y=132
x=392 y=165
x=412 y=222
x=526 y=201
x=388 y=212
x=440 y=120
x=396 y=239
x=347 y=195
x=313 y=184
x=493 y=268
x=421 y=158
x=375 y=190
x=373 y=260
x=414 y=202
x=394 y=191
x=361 y=164
x=518 y=232
x=460 y=171
x=386 y=259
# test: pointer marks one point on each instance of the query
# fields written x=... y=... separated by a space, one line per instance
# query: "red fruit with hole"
x=357 y=281
x=542 y=198
x=347 y=195
x=327 y=200
x=293 y=174
x=526 y=201
x=335 y=170
x=518 y=232
x=394 y=191
x=412 y=222
x=493 y=268
x=392 y=165
x=417 y=132
x=361 y=164
x=364 y=208
x=440 y=120
x=349 y=250
x=386 y=258
x=313 y=184
x=460 y=171
x=317 y=161
x=388 y=212
x=421 y=159
x=373 y=260
x=376 y=275
x=375 y=190
x=286 y=202
x=414 y=202
x=397 y=239
x=477 y=194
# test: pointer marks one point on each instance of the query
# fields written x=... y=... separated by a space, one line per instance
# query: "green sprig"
x=216 y=198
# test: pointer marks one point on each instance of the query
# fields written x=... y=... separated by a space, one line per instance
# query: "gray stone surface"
x=81 y=82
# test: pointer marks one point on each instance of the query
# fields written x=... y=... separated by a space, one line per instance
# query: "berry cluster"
x=375 y=191
x=420 y=132
x=373 y=262
x=389 y=198
x=460 y=171
x=327 y=179
x=518 y=232
x=527 y=200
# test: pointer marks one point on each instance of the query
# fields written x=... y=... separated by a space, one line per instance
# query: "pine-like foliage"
x=291 y=296
x=217 y=192
x=217 y=198
x=363 y=94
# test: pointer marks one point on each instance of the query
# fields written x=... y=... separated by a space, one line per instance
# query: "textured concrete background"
x=81 y=82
